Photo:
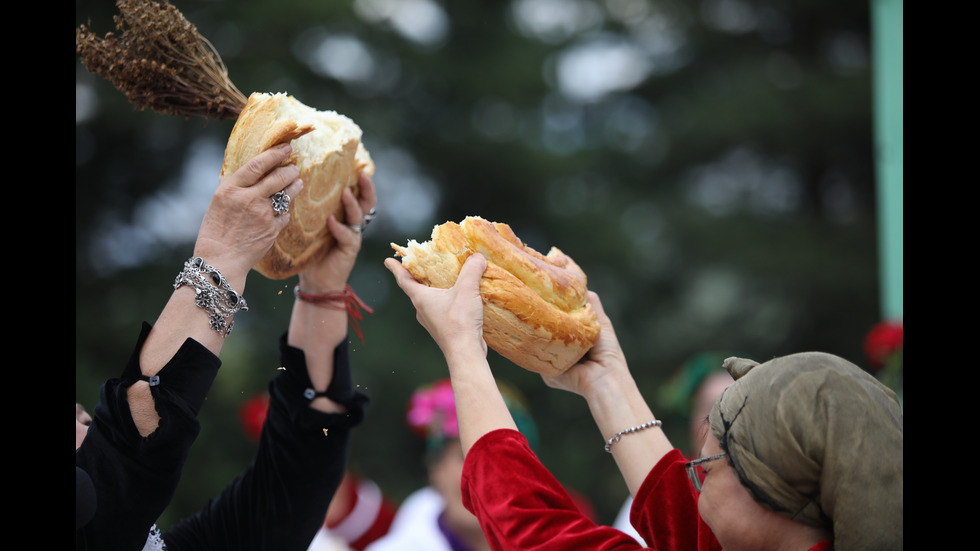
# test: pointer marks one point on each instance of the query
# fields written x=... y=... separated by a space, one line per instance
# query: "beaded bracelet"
x=213 y=293
x=622 y=433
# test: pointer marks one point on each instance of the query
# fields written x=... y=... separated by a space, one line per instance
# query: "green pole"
x=887 y=50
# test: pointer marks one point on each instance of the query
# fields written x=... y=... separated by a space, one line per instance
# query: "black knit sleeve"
x=133 y=478
x=281 y=499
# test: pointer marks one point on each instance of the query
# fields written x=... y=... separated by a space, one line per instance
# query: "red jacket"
x=522 y=507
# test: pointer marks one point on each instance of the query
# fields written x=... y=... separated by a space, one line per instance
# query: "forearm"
x=616 y=405
x=236 y=231
x=280 y=500
x=318 y=331
x=521 y=505
x=181 y=319
x=480 y=408
x=135 y=477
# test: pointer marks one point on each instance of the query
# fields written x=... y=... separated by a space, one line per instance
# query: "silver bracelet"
x=213 y=293
x=622 y=433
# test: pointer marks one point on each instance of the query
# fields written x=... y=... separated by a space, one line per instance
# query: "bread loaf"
x=535 y=311
x=327 y=149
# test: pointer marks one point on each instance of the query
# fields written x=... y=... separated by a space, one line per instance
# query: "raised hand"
x=331 y=273
x=240 y=224
x=454 y=316
x=605 y=359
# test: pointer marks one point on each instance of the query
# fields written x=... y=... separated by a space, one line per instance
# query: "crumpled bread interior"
x=535 y=311
x=327 y=149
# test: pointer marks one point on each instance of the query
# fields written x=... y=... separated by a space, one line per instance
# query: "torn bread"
x=327 y=149
x=535 y=309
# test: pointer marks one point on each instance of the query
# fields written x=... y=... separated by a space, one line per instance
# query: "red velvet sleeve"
x=665 y=509
x=522 y=506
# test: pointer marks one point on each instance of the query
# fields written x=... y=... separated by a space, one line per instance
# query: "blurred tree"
x=709 y=164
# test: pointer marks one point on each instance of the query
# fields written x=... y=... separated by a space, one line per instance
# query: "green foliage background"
x=723 y=201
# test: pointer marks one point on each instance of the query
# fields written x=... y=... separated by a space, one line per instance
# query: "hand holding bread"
x=536 y=312
x=331 y=273
x=452 y=316
x=328 y=151
x=239 y=227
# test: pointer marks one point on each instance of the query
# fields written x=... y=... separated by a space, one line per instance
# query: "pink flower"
x=432 y=411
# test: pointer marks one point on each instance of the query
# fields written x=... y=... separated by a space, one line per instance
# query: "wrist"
x=321 y=286
x=610 y=388
x=213 y=292
x=230 y=267
x=465 y=356
x=342 y=302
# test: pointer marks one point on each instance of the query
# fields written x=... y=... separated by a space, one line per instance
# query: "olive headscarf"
x=817 y=439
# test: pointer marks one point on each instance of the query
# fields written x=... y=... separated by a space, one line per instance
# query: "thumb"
x=472 y=270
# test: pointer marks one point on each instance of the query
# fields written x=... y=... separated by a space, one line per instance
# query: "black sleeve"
x=131 y=479
x=280 y=501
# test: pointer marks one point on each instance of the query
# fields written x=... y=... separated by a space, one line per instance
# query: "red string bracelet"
x=339 y=300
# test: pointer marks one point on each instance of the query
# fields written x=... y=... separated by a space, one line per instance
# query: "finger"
x=346 y=234
x=368 y=197
x=343 y=233
x=403 y=277
x=277 y=180
x=295 y=187
x=596 y=304
x=257 y=167
x=353 y=212
x=472 y=271
x=396 y=268
x=292 y=190
x=593 y=299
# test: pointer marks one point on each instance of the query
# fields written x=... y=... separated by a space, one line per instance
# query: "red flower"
x=882 y=341
x=252 y=415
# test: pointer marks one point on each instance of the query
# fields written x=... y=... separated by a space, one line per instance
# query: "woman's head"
x=817 y=440
x=736 y=518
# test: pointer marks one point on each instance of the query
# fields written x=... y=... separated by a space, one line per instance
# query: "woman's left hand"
x=604 y=364
x=331 y=273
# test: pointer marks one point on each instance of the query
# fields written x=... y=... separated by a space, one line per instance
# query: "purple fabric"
x=454 y=543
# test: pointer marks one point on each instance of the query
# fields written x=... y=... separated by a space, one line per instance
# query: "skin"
x=704 y=398
x=444 y=475
x=317 y=330
x=237 y=230
x=82 y=422
x=739 y=521
x=454 y=319
x=603 y=378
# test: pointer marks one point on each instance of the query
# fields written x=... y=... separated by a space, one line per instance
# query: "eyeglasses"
x=695 y=470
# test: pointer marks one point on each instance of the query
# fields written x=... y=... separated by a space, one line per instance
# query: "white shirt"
x=415 y=525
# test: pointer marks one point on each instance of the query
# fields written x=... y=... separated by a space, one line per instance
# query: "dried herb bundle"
x=160 y=61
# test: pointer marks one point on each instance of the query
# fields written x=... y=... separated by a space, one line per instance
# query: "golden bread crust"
x=535 y=310
x=328 y=151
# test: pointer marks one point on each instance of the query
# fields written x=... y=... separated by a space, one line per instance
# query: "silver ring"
x=280 y=202
x=358 y=228
x=369 y=216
